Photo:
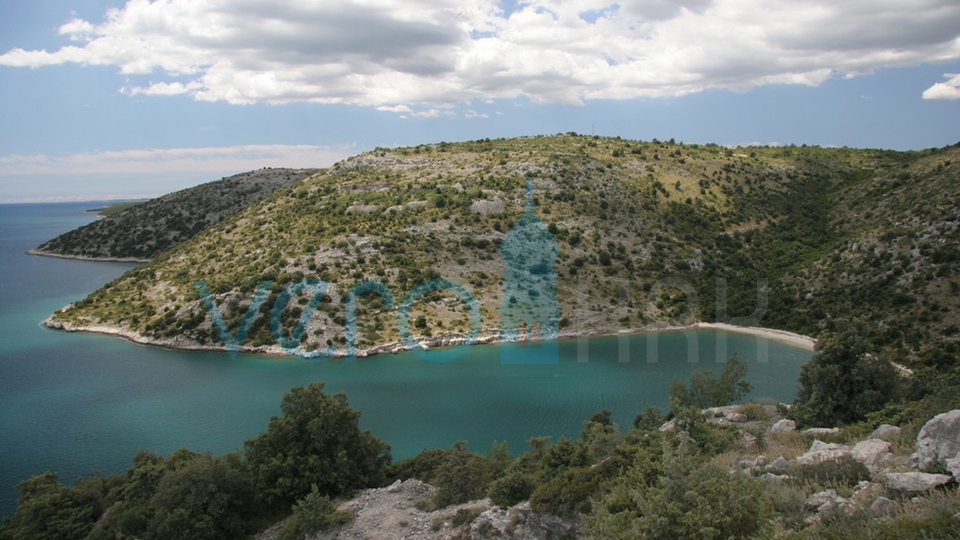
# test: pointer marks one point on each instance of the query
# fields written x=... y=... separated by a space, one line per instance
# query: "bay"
x=76 y=403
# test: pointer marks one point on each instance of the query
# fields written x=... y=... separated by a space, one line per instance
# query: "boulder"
x=783 y=426
x=885 y=432
x=820 y=431
x=821 y=451
x=779 y=465
x=823 y=497
x=882 y=507
x=915 y=482
x=939 y=443
x=870 y=451
x=752 y=463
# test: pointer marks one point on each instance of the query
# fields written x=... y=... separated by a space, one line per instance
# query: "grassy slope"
x=836 y=233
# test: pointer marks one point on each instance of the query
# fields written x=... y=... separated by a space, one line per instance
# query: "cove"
x=75 y=403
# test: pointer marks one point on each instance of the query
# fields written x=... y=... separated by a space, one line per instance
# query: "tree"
x=48 y=510
x=201 y=497
x=318 y=441
x=842 y=382
x=710 y=390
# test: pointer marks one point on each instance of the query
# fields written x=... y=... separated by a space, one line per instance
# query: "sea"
x=78 y=403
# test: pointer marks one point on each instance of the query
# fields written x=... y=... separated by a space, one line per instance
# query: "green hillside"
x=650 y=233
x=142 y=230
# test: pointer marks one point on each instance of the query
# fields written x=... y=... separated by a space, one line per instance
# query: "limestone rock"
x=821 y=498
x=821 y=451
x=783 y=426
x=882 y=507
x=779 y=465
x=885 y=432
x=915 y=482
x=819 y=431
x=870 y=451
x=939 y=442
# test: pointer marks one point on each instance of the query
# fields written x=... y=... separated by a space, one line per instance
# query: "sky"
x=108 y=99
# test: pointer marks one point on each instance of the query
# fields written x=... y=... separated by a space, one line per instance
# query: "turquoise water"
x=76 y=403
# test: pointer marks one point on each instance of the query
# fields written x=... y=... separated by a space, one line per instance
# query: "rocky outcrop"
x=395 y=512
x=938 y=443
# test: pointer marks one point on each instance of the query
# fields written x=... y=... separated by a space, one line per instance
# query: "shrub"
x=316 y=441
x=842 y=383
x=844 y=471
x=708 y=389
x=511 y=489
x=312 y=514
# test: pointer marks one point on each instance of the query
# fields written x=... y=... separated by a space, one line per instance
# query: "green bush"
x=316 y=441
x=312 y=514
x=48 y=510
x=844 y=471
x=690 y=500
x=511 y=489
x=842 y=383
x=707 y=389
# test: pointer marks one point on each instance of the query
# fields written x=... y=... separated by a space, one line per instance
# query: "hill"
x=141 y=231
x=649 y=234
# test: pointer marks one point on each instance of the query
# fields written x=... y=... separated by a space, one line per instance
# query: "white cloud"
x=401 y=53
x=212 y=160
x=944 y=90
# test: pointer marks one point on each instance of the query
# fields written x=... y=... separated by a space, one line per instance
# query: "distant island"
x=139 y=230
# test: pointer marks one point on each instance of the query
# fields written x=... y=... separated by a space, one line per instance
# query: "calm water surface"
x=76 y=403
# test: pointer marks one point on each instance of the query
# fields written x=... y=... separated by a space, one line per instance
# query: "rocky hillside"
x=649 y=233
x=144 y=230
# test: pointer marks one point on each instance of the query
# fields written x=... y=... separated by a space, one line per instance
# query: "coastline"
x=83 y=258
x=487 y=336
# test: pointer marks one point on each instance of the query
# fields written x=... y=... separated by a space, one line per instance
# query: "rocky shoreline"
x=82 y=258
x=487 y=336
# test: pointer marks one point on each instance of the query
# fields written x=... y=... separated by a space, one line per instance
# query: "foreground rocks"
x=397 y=512
x=938 y=443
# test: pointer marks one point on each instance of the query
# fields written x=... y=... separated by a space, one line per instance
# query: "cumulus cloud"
x=212 y=160
x=944 y=90
x=403 y=53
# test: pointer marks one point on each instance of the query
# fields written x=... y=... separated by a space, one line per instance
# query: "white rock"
x=821 y=451
x=939 y=442
x=885 y=432
x=881 y=507
x=819 y=499
x=817 y=431
x=870 y=451
x=778 y=465
x=783 y=426
x=914 y=482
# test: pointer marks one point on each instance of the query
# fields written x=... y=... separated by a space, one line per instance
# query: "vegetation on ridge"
x=650 y=233
x=142 y=230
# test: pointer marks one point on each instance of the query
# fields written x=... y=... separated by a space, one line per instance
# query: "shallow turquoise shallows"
x=76 y=403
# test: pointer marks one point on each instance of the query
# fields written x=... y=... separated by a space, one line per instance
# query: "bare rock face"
x=939 y=443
